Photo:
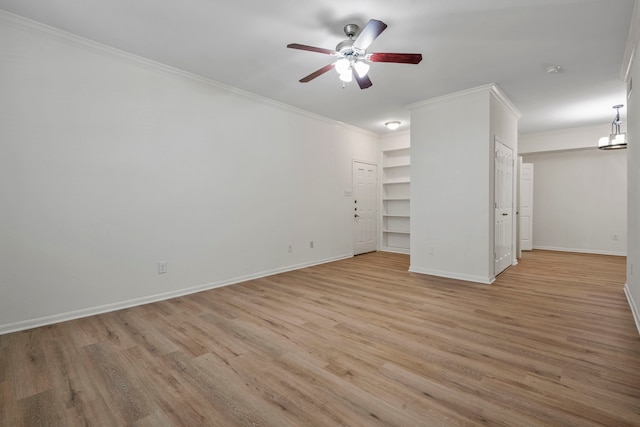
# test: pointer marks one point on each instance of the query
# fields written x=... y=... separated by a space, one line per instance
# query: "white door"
x=526 y=207
x=365 y=202
x=503 y=202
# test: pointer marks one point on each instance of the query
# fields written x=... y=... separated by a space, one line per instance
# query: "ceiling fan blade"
x=311 y=48
x=317 y=73
x=402 y=58
x=363 y=82
x=369 y=33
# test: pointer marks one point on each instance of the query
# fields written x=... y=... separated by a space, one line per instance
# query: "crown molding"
x=491 y=88
x=505 y=101
x=479 y=89
x=96 y=47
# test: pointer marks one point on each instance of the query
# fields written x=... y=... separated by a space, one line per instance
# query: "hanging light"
x=616 y=140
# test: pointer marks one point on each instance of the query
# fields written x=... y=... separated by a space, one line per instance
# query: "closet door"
x=503 y=203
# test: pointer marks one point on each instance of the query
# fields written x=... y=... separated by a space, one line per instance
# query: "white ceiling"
x=464 y=43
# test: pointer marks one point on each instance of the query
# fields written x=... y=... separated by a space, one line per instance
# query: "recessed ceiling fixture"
x=616 y=140
x=392 y=125
x=352 y=55
x=552 y=69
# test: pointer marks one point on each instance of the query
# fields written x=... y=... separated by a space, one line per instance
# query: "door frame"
x=376 y=201
x=512 y=257
x=529 y=166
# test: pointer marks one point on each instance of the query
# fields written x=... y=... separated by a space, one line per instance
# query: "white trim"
x=367 y=162
x=579 y=250
x=391 y=249
x=632 y=41
x=96 y=47
x=479 y=89
x=506 y=102
x=634 y=308
x=396 y=133
x=450 y=275
x=92 y=311
x=492 y=88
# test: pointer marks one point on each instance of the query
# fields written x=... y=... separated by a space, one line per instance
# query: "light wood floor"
x=359 y=342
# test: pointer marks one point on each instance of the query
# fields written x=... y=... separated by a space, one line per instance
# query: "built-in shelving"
x=396 y=181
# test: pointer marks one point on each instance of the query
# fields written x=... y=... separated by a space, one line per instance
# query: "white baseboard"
x=394 y=250
x=580 y=250
x=450 y=275
x=91 y=311
x=634 y=308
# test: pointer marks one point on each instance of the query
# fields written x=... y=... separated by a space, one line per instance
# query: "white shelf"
x=396 y=180
x=401 y=165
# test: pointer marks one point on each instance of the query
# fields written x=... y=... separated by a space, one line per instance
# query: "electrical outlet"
x=290 y=249
x=162 y=267
x=311 y=244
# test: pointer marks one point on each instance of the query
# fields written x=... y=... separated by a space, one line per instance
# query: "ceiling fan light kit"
x=352 y=54
x=347 y=77
x=616 y=140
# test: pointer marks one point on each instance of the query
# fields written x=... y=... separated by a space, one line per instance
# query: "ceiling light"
x=347 y=76
x=616 y=140
x=342 y=66
x=392 y=125
x=362 y=68
x=552 y=69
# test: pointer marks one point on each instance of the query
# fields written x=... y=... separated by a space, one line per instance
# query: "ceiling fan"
x=352 y=54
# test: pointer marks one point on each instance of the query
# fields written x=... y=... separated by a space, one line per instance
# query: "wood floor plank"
x=358 y=342
x=27 y=363
x=41 y=410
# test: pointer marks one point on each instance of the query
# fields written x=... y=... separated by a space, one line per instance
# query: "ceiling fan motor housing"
x=346 y=49
x=351 y=30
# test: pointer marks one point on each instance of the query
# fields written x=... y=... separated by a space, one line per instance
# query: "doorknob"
x=505 y=214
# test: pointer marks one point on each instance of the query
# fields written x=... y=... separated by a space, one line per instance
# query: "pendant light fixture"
x=616 y=140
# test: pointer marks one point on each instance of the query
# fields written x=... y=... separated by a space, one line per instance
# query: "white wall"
x=632 y=287
x=564 y=139
x=580 y=200
x=392 y=141
x=451 y=184
x=449 y=215
x=111 y=163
